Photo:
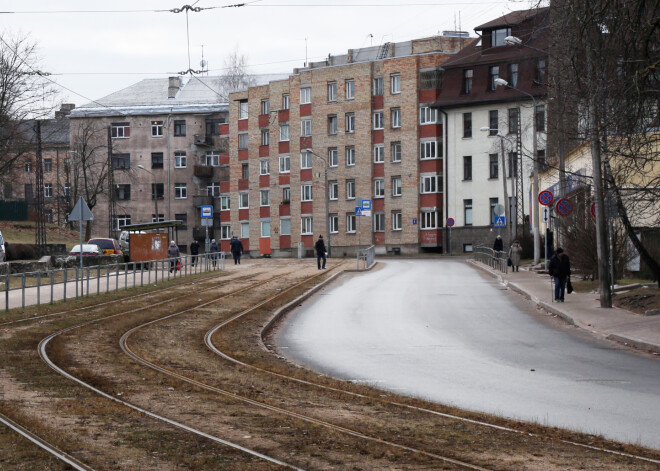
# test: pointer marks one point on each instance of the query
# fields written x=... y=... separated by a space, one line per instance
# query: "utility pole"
x=111 y=188
x=41 y=216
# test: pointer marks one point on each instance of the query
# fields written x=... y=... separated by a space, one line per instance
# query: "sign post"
x=450 y=224
x=207 y=220
x=81 y=213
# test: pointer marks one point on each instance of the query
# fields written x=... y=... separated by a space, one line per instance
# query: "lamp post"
x=535 y=175
x=507 y=212
x=327 y=196
x=155 y=192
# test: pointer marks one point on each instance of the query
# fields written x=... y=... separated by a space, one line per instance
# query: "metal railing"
x=365 y=257
x=64 y=283
x=494 y=259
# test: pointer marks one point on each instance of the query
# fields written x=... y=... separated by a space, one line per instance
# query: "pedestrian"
x=194 y=251
x=236 y=249
x=560 y=269
x=514 y=255
x=498 y=246
x=320 y=252
x=173 y=254
x=214 y=252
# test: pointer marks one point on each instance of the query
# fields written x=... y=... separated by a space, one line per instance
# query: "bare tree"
x=236 y=76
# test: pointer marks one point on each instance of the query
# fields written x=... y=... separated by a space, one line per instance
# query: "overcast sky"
x=107 y=46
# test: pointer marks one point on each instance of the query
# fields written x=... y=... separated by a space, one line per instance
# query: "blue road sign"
x=414 y=221
x=366 y=204
x=546 y=197
x=207 y=211
x=564 y=207
x=499 y=221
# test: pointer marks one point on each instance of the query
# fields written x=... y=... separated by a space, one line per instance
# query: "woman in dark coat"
x=560 y=269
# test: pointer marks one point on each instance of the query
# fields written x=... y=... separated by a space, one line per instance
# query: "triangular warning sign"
x=81 y=212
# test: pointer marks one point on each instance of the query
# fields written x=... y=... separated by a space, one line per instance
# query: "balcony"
x=202 y=200
x=203 y=171
x=204 y=141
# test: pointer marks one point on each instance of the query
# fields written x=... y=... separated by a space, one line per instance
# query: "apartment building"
x=364 y=120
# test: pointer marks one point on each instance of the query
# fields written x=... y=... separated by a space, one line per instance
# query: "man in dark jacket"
x=236 y=247
x=498 y=246
x=194 y=251
x=214 y=249
x=560 y=269
x=320 y=252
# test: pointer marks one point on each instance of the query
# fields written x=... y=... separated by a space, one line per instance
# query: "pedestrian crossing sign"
x=499 y=221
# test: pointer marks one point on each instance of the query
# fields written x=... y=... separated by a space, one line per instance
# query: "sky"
x=95 y=48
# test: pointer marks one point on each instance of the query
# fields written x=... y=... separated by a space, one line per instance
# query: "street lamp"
x=507 y=215
x=535 y=180
x=327 y=196
x=155 y=191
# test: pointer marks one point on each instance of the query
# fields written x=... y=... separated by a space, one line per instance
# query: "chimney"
x=64 y=110
x=350 y=56
x=173 y=87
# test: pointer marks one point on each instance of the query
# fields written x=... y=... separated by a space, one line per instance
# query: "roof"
x=148 y=226
x=512 y=19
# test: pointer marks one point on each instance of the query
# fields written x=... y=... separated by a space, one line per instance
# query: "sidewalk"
x=584 y=311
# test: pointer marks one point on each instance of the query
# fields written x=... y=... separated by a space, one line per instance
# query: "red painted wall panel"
x=379 y=170
x=427 y=96
x=283 y=115
x=429 y=236
x=264 y=151
x=264 y=211
x=242 y=124
x=264 y=181
x=223 y=129
x=264 y=120
x=224 y=245
x=377 y=102
x=306 y=109
x=284 y=179
x=285 y=242
x=378 y=204
x=246 y=244
x=243 y=184
x=243 y=215
x=306 y=175
x=433 y=199
x=285 y=210
x=283 y=147
x=430 y=130
x=306 y=207
x=224 y=158
x=242 y=154
x=433 y=165
x=307 y=240
x=225 y=216
x=224 y=187
x=379 y=238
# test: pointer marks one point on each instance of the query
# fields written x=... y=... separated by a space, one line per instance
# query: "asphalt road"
x=440 y=330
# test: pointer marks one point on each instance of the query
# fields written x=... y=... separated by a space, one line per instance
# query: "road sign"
x=207 y=222
x=362 y=212
x=545 y=214
x=546 y=198
x=207 y=211
x=498 y=210
x=564 y=207
x=414 y=221
x=81 y=212
x=366 y=204
x=450 y=222
x=593 y=209
x=499 y=221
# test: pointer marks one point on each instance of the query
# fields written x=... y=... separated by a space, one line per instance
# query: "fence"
x=59 y=283
x=496 y=260
x=365 y=257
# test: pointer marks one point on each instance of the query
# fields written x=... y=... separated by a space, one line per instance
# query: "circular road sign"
x=564 y=207
x=593 y=209
x=450 y=222
x=546 y=198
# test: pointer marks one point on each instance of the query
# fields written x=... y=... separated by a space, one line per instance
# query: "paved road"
x=440 y=330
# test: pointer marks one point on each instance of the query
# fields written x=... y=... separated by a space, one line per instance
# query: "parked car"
x=3 y=249
x=87 y=249
x=107 y=246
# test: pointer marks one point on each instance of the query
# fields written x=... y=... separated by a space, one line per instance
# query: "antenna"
x=305 y=52
x=203 y=64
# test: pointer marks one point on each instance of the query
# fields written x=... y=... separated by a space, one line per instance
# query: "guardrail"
x=76 y=282
x=492 y=258
x=365 y=257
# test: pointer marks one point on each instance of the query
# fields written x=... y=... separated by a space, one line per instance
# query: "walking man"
x=236 y=249
x=194 y=251
x=173 y=254
x=320 y=252
x=560 y=269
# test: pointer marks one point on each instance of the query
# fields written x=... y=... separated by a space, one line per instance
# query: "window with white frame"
x=243 y=200
x=212 y=159
x=265 y=137
x=333 y=221
x=395 y=115
x=265 y=106
x=428 y=115
x=264 y=167
x=396 y=151
x=306 y=192
x=285 y=226
x=332 y=124
x=350 y=222
x=180 y=191
x=157 y=129
x=264 y=197
x=377 y=88
x=180 y=159
x=306 y=127
x=120 y=130
x=397 y=189
x=332 y=91
x=245 y=230
x=224 y=203
x=429 y=219
x=243 y=140
x=350 y=156
x=350 y=89
x=333 y=157
x=379 y=153
x=397 y=221
x=306 y=226
x=333 y=191
x=285 y=101
x=225 y=231
x=160 y=217
x=467 y=212
x=121 y=221
x=395 y=82
x=305 y=95
x=48 y=190
x=265 y=228
x=286 y=195
x=350 y=122
x=213 y=189
x=430 y=184
x=379 y=188
x=378 y=120
x=284 y=131
x=285 y=164
x=379 y=222
x=350 y=189
x=429 y=150
x=306 y=159
x=243 y=109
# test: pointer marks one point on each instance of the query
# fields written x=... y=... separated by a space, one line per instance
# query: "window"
x=378 y=120
x=430 y=150
x=243 y=200
x=265 y=137
x=493 y=73
x=121 y=220
x=513 y=75
x=48 y=190
x=493 y=169
x=333 y=219
x=428 y=115
x=332 y=124
x=306 y=127
x=396 y=152
x=395 y=116
x=123 y=192
x=540 y=157
x=264 y=167
x=306 y=159
x=467 y=81
x=225 y=203
x=492 y=203
x=350 y=222
x=225 y=232
x=539 y=116
x=265 y=228
x=243 y=140
x=213 y=126
x=333 y=157
x=513 y=164
x=350 y=189
x=539 y=78
x=430 y=184
x=48 y=165
x=513 y=120
x=156 y=160
x=285 y=164
x=264 y=197
x=179 y=127
x=306 y=225
x=467 y=212
x=121 y=161
x=180 y=159
x=332 y=91
x=493 y=123
x=377 y=86
x=350 y=89
x=306 y=192
x=379 y=153
x=67 y=190
x=498 y=35
x=430 y=79
x=350 y=122
x=285 y=101
x=397 y=189
x=467 y=248
x=28 y=167
x=213 y=189
x=243 y=109
x=245 y=171
x=467 y=167
x=429 y=219
x=156 y=129
x=397 y=221
x=183 y=217
x=467 y=124
x=350 y=156
x=180 y=191
x=245 y=230
x=305 y=95
x=395 y=83
x=379 y=222
x=265 y=106
x=284 y=131
x=379 y=188
x=157 y=191
x=285 y=226
x=120 y=130
x=286 y=195
x=212 y=159
x=333 y=190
